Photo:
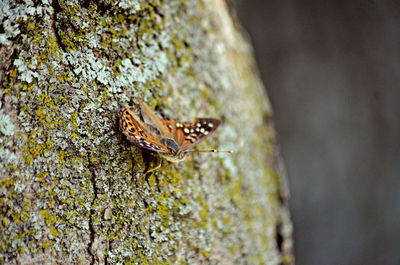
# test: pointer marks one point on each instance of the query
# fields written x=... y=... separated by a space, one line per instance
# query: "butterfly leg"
x=159 y=167
x=168 y=165
x=154 y=168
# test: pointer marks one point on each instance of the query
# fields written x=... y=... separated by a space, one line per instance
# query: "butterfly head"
x=176 y=158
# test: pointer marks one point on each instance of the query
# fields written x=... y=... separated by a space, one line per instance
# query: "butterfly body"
x=170 y=138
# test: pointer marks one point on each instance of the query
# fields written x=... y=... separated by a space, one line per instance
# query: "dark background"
x=332 y=71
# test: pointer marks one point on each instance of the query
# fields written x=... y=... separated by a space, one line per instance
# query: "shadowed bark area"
x=72 y=188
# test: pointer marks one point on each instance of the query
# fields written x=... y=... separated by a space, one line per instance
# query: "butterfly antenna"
x=209 y=151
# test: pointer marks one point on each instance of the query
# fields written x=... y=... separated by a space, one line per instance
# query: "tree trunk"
x=72 y=187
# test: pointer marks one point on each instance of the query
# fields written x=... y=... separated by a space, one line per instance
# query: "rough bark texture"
x=71 y=186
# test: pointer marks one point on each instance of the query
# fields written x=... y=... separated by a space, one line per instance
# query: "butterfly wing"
x=138 y=133
x=153 y=122
x=143 y=128
x=188 y=134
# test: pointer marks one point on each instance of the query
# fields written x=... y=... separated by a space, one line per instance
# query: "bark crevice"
x=92 y=215
x=56 y=11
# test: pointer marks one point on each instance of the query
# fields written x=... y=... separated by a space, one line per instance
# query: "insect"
x=170 y=138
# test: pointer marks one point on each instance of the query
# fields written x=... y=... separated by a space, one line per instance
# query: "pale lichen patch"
x=6 y=126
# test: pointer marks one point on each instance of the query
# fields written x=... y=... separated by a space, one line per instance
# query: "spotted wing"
x=137 y=132
x=188 y=134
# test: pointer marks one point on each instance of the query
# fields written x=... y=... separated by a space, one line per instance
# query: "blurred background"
x=332 y=71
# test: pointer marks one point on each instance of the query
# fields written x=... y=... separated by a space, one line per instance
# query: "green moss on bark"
x=72 y=188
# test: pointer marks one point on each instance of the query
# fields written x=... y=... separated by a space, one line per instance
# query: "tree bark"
x=72 y=186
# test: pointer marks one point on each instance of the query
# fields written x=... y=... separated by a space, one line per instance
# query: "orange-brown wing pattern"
x=188 y=134
x=171 y=137
x=137 y=133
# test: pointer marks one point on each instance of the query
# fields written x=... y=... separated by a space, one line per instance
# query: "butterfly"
x=170 y=138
